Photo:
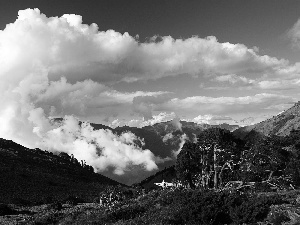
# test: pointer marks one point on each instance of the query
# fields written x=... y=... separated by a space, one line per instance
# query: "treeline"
x=219 y=157
x=71 y=159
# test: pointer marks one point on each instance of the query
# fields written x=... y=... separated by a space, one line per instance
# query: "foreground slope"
x=33 y=175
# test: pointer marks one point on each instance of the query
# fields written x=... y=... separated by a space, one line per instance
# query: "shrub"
x=278 y=214
x=189 y=207
x=126 y=213
x=48 y=218
x=209 y=207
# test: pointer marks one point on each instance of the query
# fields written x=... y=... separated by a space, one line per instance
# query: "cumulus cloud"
x=37 y=56
x=79 y=51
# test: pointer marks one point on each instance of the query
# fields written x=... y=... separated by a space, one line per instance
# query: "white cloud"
x=176 y=123
x=161 y=117
x=234 y=79
x=167 y=137
x=212 y=119
x=100 y=148
x=79 y=51
x=279 y=84
x=203 y=105
x=183 y=139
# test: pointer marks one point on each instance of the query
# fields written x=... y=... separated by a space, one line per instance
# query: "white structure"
x=164 y=184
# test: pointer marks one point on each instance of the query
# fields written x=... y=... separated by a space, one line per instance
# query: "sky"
x=140 y=62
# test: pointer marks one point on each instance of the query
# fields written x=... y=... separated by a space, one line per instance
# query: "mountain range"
x=163 y=139
x=26 y=171
x=281 y=125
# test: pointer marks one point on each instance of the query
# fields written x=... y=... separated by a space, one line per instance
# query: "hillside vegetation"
x=32 y=176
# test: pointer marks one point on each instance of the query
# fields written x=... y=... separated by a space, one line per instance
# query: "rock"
x=298 y=200
x=284 y=214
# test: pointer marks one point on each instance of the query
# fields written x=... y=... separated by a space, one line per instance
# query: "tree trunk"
x=192 y=185
x=270 y=175
x=220 y=177
x=215 y=169
x=203 y=180
x=221 y=174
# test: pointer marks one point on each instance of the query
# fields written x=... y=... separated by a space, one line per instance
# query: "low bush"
x=253 y=208
x=207 y=207
x=180 y=207
x=48 y=218
x=278 y=214
x=125 y=213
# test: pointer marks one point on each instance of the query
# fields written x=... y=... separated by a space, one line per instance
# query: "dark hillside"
x=33 y=175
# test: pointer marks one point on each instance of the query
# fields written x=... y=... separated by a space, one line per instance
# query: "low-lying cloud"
x=100 y=148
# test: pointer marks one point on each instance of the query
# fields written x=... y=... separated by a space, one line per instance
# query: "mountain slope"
x=281 y=124
x=34 y=175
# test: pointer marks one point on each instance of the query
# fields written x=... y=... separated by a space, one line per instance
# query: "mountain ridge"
x=281 y=124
